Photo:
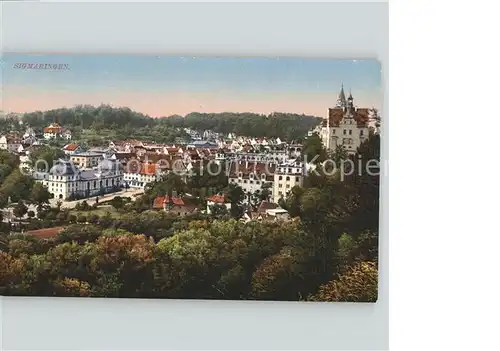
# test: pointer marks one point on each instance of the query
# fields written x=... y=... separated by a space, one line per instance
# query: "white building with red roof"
x=347 y=125
x=218 y=199
x=71 y=149
x=54 y=130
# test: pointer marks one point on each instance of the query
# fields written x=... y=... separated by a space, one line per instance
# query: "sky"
x=163 y=85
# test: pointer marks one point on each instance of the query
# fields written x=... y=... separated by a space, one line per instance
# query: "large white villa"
x=66 y=181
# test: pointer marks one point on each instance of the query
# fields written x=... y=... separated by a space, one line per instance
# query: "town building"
x=219 y=200
x=295 y=150
x=138 y=175
x=276 y=156
x=29 y=133
x=252 y=176
x=11 y=142
x=54 y=130
x=71 y=149
x=286 y=176
x=203 y=144
x=278 y=214
x=347 y=125
x=176 y=205
x=65 y=181
x=86 y=160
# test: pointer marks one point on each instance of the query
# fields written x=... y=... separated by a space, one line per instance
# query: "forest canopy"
x=126 y=122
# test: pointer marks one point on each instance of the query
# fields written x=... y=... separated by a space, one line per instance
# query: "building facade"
x=54 y=130
x=286 y=176
x=138 y=175
x=252 y=176
x=66 y=181
x=86 y=160
x=11 y=143
x=347 y=125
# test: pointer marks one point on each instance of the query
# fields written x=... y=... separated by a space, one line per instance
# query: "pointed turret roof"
x=342 y=94
x=341 y=101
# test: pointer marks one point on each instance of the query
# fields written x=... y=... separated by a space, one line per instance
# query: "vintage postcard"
x=190 y=177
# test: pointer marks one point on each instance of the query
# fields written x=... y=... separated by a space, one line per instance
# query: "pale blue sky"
x=166 y=85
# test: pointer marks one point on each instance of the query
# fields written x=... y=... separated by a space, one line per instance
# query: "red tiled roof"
x=258 y=168
x=46 y=233
x=335 y=115
x=219 y=199
x=71 y=147
x=360 y=115
x=161 y=200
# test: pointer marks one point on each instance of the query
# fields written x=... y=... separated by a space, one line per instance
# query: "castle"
x=347 y=125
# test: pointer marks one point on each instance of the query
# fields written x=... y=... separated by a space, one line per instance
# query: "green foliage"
x=236 y=195
x=95 y=124
x=16 y=186
x=328 y=252
x=313 y=150
x=40 y=195
x=20 y=209
x=8 y=162
x=117 y=202
x=358 y=284
x=42 y=159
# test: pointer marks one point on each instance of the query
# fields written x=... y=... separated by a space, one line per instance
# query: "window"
x=245 y=181
x=345 y=131
x=287 y=178
x=257 y=182
x=333 y=131
x=297 y=179
x=280 y=178
x=361 y=132
x=288 y=185
x=251 y=182
x=280 y=185
x=350 y=131
x=239 y=180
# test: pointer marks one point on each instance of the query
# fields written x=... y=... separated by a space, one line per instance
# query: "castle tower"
x=341 y=101
x=350 y=102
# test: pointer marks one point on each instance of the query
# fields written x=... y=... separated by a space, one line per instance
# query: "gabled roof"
x=360 y=115
x=266 y=205
x=252 y=167
x=160 y=201
x=71 y=147
x=219 y=199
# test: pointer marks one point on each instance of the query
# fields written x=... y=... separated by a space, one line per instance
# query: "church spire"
x=341 y=102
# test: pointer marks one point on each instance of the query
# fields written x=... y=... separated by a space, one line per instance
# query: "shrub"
x=81 y=219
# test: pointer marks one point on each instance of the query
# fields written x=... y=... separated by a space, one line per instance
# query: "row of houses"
x=183 y=206
x=17 y=142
